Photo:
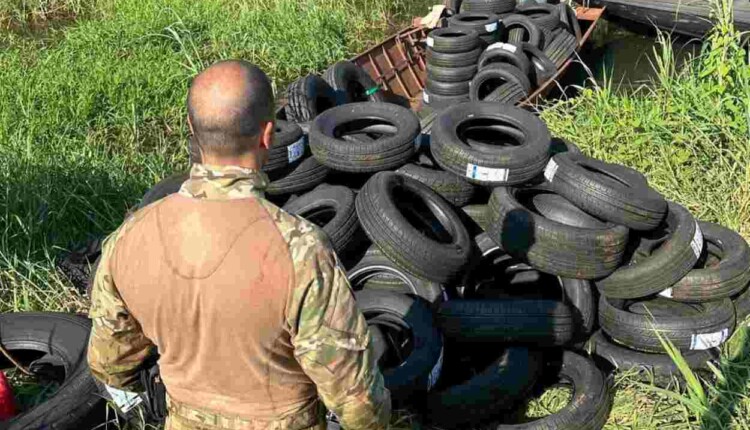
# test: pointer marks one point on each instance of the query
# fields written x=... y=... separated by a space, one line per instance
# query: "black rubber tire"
x=493 y=76
x=649 y=270
x=517 y=321
x=569 y=20
x=543 y=69
x=557 y=208
x=479 y=214
x=715 y=321
x=518 y=29
x=439 y=257
x=288 y=146
x=451 y=74
x=63 y=338
x=436 y=101
x=351 y=83
x=451 y=187
x=461 y=59
x=560 y=48
x=509 y=93
x=453 y=40
x=421 y=369
x=742 y=305
x=661 y=366
x=589 y=405
x=169 y=185
x=727 y=278
x=612 y=192
x=306 y=175
x=488 y=6
x=505 y=53
x=499 y=387
x=308 y=97
x=342 y=228
x=376 y=271
x=502 y=165
x=544 y=15
x=485 y=24
x=551 y=246
x=385 y=153
x=448 y=88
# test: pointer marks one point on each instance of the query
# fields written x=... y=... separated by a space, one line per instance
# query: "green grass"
x=92 y=113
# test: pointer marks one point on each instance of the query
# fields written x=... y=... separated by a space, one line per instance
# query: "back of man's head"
x=229 y=106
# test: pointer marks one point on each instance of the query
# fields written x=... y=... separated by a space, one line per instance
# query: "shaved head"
x=228 y=105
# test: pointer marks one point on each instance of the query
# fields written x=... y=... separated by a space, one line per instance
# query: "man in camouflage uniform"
x=250 y=311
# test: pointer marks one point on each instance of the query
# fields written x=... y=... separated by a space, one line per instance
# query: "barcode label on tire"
x=666 y=293
x=708 y=340
x=435 y=372
x=125 y=400
x=486 y=173
x=430 y=42
x=491 y=27
x=697 y=242
x=295 y=151
x=550 y=170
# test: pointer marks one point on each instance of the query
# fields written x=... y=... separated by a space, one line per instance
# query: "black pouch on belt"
x=156 y=393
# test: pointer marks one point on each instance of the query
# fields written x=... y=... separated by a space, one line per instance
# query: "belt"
x=311 y=417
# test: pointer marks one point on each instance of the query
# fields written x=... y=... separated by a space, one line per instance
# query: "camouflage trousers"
x=184 y=417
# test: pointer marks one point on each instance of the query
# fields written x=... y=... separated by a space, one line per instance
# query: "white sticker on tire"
x=708 y=340
x=550 y=170
x=430 y=42
x=426 y=97
x=697 y=242
x=505 y=46
x=125 y=400
x=491 y=27
x=295 y=151
x=666 y=293
x=486 y=173
x=435 y=372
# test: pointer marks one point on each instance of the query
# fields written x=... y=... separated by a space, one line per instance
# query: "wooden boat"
x=398 y=64
x=688 y=17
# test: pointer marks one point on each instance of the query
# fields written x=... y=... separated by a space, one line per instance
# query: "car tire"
x=63 y=338
x=542 y=68
x=303 y=176
x=493 y=76
x=451 y=74
x=331 y=208
x=451 y=187
x=589 y=405
x=561 y=47
x=609 y=191
x=658 y=260
x=551 y=246
x=460 y=59
x=489 y=164
x=448 y=88
x=420 y=370
x=546 y=16
x=375 y=271
x=488 y=6
x=505 y=53
x=389 y=207
x=708 y=326
x=308 y=97
x=499 y=387
x=351 y=84
x=390 y=150
x=288 y=146
x=453 y=40
x=519 y=29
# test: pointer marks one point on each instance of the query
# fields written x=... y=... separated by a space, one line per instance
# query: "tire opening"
x=422 y=215
x=489 y=132
x=29 y=391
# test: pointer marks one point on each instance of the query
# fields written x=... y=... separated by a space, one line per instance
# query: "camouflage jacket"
x=343 y=369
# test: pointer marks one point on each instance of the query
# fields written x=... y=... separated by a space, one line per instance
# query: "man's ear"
x=266 y=137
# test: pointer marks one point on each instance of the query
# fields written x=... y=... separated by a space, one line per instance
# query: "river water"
x=623 y=54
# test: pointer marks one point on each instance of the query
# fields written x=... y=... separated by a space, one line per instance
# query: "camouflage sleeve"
x=330 y=336
x=117 y=346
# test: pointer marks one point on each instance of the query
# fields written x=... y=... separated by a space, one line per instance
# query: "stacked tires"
x=451 y=64
x=520 y=49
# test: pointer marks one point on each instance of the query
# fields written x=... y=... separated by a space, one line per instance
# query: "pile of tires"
x=517 y=49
